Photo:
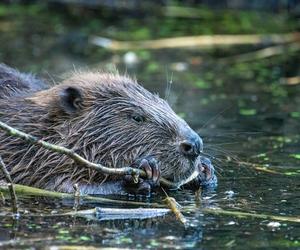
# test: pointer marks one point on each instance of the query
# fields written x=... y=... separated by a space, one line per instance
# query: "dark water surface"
x=247 y=115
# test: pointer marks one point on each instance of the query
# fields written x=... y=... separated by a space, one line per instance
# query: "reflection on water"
x=246 y=112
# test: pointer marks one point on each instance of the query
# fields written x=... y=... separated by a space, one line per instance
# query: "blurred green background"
x=243 y=99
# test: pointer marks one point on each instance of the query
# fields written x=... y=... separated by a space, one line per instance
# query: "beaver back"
x=14 y=83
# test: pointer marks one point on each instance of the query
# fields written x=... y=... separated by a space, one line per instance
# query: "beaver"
x=107 y=118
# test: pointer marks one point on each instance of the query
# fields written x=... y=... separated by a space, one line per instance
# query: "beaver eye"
x=138 y=118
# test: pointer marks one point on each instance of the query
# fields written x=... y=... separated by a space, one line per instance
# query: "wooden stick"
x=196 y=41
x=14 y=202
x=120 y=213
x=291 y=80
x=107 y=213
x=251 y=215
x=70 y=153
x=173 y=205
x=129 y=213
x=21 y=189
x=77 y=158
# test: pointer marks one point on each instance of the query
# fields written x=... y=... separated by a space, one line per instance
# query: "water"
x=246 y=114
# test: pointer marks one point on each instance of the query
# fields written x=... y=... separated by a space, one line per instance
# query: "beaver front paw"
x=143 y=186
x=206 y=177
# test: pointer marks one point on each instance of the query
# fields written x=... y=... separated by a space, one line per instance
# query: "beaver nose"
x=192 y=146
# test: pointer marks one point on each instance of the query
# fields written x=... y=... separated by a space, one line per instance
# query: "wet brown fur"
x=101 y=130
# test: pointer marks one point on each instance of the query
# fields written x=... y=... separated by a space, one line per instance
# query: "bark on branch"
x=80 y=160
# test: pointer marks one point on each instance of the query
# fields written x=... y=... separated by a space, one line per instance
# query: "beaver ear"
x=71 y=99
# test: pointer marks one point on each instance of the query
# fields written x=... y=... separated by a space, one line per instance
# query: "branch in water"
x=21 y=189
x=251 y=215
x=119 y=213
x=26 y=190
x=107 y=213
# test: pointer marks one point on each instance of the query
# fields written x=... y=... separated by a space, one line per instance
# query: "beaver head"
x=112 y=120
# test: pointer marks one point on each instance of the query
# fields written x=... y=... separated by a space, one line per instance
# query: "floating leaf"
x=247 y=112
x=182 y=115
x=296 y=156
x=63 y=231
x=261 y=155
x=295 y=114
x=85 y=238
x=202 y=84
x=126 y=240
x=152 y=67
x=291 y=173
x=154 y=243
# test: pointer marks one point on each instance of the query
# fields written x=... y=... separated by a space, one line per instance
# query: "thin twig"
x=68 y=152
x=198 y=195
x=10 y=186
x=251 y=215
x=78 y=159
x=174 y=207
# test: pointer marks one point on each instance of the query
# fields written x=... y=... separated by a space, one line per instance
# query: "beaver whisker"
x=213 y=157
x=225 y=153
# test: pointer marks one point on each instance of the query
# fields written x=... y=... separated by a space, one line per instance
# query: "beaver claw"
x=144 y=185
